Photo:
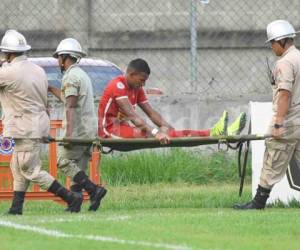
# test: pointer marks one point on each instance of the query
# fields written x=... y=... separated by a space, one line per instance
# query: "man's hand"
x=164 y=129
x=162 y=138
x=56 y=92
x=277 y=132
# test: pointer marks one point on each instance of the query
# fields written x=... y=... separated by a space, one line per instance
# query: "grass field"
x=170 y=166
x=154 y=216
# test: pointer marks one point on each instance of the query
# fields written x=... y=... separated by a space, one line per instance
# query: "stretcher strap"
x=242 y=168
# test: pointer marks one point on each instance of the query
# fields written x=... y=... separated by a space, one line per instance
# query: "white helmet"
x=13 y=41
x=71 y=47
x=280 y=29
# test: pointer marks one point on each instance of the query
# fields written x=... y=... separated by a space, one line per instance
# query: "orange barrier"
x=35 y=193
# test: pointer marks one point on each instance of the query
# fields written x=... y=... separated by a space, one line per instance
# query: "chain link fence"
x=209 y=48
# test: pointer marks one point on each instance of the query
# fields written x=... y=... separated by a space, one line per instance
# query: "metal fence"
x=208 y=48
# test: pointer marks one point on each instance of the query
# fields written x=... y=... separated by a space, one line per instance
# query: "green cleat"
x=238 y=125
x=220 y=128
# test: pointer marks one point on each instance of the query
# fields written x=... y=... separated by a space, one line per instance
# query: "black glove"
x=48 y=139
x=66 y=145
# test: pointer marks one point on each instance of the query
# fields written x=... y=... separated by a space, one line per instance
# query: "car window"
x=100 y=76
x=54 y=76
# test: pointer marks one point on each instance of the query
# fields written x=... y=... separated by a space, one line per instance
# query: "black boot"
x=17 y=203
x=95 y=192
x=75 y=188
x=258 y=202
x=74 y=200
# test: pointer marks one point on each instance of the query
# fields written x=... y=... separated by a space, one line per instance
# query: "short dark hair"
x=284 y=41
x=139 y=65
x=72 y=58
x=290 y=39
x=15 y=53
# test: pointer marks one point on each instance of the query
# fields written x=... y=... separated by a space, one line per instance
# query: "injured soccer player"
x=117 y=117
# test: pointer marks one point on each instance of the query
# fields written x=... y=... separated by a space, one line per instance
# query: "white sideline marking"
x=60 y=234
x=117 y=218
x=79 y=219
x=38 y=230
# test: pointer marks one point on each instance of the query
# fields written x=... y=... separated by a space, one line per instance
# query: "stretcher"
x=100 y=145
x=238 y=142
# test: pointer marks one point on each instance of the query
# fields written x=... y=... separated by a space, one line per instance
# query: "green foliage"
x=170 y=166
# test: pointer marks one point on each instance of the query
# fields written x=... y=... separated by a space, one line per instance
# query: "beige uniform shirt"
x=23 y=97
x=287 y=76
x=76 y=82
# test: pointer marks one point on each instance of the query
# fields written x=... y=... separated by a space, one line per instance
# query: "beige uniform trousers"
x=277 y=156
x=26 y=165
x=74 y=159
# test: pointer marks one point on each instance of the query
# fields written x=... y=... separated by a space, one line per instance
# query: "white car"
x=100 y=72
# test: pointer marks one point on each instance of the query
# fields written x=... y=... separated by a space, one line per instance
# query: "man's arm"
x=71 y=102
x=55 y=91
x=131 y=114
x=154 y=116
x=139 y=122
x=283 y=104
x=4 y=71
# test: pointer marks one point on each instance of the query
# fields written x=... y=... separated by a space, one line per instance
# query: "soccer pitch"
x=153 y=217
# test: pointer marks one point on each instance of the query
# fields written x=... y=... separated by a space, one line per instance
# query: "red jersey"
x=109 y=112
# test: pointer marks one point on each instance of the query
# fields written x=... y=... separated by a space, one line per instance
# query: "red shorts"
x=124 y=130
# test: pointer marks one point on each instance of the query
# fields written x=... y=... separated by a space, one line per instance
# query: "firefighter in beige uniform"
x=80 y=120
x=285 y=124
x=23 y=96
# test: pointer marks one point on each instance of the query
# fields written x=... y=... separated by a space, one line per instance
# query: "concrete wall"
x=116 y=24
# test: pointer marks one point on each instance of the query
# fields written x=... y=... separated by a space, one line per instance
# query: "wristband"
x=154 y=131
x=276 y=125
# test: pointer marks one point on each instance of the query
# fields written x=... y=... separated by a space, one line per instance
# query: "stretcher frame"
x=239 y=142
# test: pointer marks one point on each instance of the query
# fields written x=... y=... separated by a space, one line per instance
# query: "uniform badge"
x=120 y=85
x=6 y=146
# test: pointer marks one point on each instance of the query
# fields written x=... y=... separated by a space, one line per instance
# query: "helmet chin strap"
x=76 y=57
x=8 y=57
x=64 y=58
x=282 y=43
x=62 y=67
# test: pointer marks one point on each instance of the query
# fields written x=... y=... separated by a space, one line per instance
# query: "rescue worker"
x=23 y=96
x=80 y=119
x=285 y=124
x=116 y=111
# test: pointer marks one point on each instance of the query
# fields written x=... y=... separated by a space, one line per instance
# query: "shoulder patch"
x=6 y=145
x=120 y=85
